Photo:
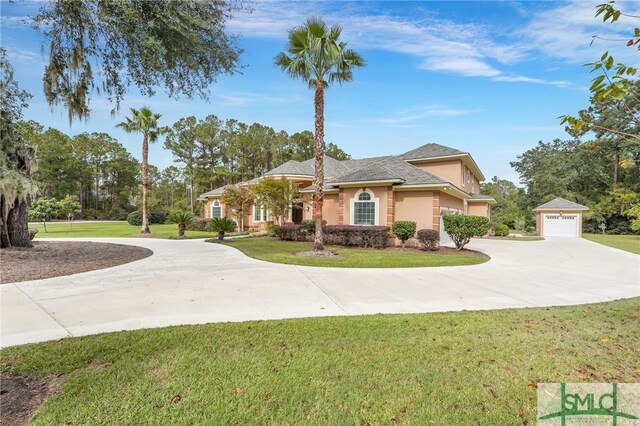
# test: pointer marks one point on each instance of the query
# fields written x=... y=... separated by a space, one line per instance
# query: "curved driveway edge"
x=193 y=282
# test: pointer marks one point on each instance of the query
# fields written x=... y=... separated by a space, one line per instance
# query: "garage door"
x=560 y=226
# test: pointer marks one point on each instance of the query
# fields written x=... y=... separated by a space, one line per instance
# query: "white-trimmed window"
x=259 y=213
x=216 y=210
x=364 y=208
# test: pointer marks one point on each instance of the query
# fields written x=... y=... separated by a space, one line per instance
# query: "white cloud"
x=422 y=112
x=17 y=54
x=566 y=32
x=440 y=45
x=523 y=79
x=245 y=99
x=15 y=21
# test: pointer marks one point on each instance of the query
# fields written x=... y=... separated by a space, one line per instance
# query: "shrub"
x=310 y=225
x=89 y=214
x=429 y=239
x=271 y=230
x=352 y=235
x=222 y=226
x=500 y=230
x=199 y=224
x=135 y=218
x=461 y=228
x=404 y=229
x=182 y=219
x=291 y=232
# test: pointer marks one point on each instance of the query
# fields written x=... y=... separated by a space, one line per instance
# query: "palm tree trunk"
x=318 y=244
x=145 y=184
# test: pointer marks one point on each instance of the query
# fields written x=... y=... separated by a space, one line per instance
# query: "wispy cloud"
x=566 y=32
x=523 y=79
x=423 y=112
x=439 y=44
x=246 y=99
x=15 y=21
x=17 y=54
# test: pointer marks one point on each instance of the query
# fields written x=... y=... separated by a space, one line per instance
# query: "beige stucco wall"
x=478 y=209
x=448 y=201
x=540 y=221
x=330 y=208
x=379 y=192
x=416 y=206
x=449 y=170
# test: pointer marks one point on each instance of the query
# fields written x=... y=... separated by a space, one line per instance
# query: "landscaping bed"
x=440 y=368
x=53 y=259
x=277 y=251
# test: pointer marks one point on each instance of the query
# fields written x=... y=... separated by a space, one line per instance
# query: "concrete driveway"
x=190 y=282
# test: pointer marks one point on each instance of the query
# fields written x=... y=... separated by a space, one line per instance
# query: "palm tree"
x=315 y=54
x=146 y=122
x=222 y=226
x=182 y=219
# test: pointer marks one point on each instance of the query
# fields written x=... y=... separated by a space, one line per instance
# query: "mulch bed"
x=21 y=396
x=57 y=258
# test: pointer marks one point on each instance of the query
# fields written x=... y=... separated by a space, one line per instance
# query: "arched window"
x=216 y=209
x=365 y=208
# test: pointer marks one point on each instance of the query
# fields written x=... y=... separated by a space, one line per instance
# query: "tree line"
x=105 y=178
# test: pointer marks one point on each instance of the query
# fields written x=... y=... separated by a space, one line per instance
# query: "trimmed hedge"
x=429 y=239
x=291 y=232
x=500 y=230
x=135 y=218
x=353 y=235
x=199 y=224
x=462 y=228
x=310 y=225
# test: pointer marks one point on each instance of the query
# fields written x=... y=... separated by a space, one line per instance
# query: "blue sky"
x=489 y=78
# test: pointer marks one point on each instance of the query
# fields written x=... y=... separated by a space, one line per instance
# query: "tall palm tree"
x=146 y=122
x=316 y=55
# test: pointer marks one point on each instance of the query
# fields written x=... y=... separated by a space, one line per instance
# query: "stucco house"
x=420 y=185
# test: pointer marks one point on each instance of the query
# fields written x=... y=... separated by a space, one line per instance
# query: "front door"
x=296 y=213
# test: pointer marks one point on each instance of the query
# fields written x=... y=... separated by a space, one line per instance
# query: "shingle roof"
x=217 y=191
x=561 y=204
x=291 y=167
x=365 y=170
x=481 y=197
x=429 y=150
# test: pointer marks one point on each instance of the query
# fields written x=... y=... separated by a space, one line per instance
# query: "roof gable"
x=430 y=150
x=561 y=204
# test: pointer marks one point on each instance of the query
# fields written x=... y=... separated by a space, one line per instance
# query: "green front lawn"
x=623 y=242
x=273 y=250
x=110 y=229
x=441 y=368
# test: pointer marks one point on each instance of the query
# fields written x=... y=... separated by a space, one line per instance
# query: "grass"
x=441 y=368
x=272 y=250
x=110 y=229
x=623 y=242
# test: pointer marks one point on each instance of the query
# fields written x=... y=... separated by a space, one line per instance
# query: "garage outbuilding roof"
x=561 y=204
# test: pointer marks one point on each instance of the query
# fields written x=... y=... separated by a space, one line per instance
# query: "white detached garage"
x=559 y=218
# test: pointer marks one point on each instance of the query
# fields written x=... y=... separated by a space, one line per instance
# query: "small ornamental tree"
x=462 y=228
x=404 y=229
x=69 y=207
x=238 y=198
x=276 y=195
x=182 y=219
x=43 y=209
